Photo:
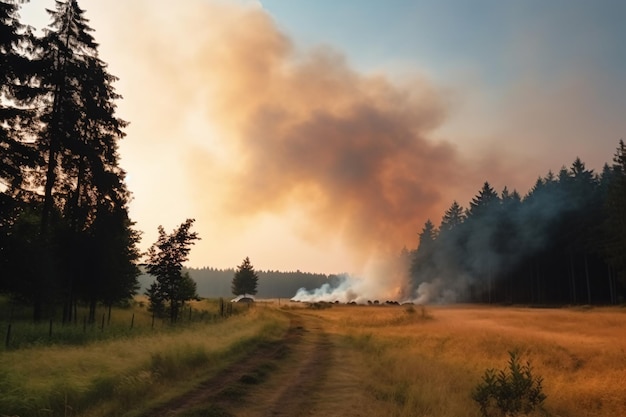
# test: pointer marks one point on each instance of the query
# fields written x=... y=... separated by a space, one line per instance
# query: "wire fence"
x=109 y=324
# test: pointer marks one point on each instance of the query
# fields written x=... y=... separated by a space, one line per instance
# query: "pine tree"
x=16 y=93
x=245 y=280
x=20 y=247
x=79 y=144
x=482 y=223
x=483 y=203
x=453 y=217
x=615 y=222
x=423 y=267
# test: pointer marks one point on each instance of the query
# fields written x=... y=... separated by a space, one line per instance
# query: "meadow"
x=400 y=361
x=111 y=371
x=426 y=361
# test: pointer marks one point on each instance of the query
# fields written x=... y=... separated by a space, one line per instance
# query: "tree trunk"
x=611 y=285
x=92 y=310
x=37 y=306
x=588 y=283
x=573 y=279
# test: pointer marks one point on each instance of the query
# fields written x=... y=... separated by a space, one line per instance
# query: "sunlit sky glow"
x=315 y=135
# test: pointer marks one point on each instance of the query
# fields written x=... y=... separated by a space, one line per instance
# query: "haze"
x=321 y=136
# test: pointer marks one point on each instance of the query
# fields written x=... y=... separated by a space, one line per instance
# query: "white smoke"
x=382 y=279
x=435 y=292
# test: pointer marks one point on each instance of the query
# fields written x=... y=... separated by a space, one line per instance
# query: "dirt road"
x=309 y=372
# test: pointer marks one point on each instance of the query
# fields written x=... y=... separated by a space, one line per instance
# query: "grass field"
x=383 y=360
x=425 y=362
x=129 y=371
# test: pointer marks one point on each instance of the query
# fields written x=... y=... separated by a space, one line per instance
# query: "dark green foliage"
x=214 y=282
x=422 y=263
x=564 y=242
x=509 y=392
x=165 y=261
x=245 y=280
x=614 y=226
x=59 y=134
x=16 y=94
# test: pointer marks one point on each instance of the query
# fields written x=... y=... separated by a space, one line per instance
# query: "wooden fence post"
x=7 y=340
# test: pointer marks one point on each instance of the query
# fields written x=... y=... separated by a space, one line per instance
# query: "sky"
x=321 y=135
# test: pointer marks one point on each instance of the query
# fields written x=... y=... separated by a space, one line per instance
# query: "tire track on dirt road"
x=276 y=379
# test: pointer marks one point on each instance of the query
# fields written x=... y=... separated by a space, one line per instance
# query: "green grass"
x=18 y=331
x=136 y=370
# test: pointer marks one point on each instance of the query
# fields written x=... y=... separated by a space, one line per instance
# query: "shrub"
x=509 y=392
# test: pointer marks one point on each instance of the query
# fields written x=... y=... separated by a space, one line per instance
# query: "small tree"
x=511 y=392
x=165 y=262
x=157 y=305
x=188 y=289
x=245 y=280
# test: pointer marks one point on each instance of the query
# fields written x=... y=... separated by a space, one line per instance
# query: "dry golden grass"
x=401 y=361
x=426 y=363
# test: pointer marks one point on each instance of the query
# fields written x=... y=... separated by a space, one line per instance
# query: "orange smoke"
x=260 y=126
x=350 y=152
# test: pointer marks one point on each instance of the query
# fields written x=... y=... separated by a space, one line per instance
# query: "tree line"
x=65 y=232
x=564 y=242
x=66 y=235
x=218 y=282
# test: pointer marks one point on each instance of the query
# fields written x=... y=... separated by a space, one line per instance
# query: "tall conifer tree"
x=82 y=179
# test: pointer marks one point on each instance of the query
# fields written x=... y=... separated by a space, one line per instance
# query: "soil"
x=295 y=376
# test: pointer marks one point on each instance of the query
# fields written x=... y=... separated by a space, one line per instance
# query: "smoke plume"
x=352 y=152
x=345 y=156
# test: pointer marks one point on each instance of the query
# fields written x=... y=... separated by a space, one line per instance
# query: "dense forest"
x=564 y=242
x=65 y=233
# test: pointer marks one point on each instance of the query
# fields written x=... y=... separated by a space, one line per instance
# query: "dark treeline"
x=213 y=282
x=564 y=242
x=65 y=233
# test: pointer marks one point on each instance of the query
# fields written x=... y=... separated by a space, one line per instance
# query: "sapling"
x=509 y=392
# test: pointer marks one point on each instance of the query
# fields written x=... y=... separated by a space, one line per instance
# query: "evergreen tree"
x=16 y=94
x=165 y=261
x=245 y=280
x=483 y=203
x=109 y=255
x=615 y=221
x=188 y=289
x=79 y=144
x=423 y=265
x=481 y=226
x=17 y=153
x=452 y=218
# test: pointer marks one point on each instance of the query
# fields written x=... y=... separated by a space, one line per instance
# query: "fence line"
x=16 y=336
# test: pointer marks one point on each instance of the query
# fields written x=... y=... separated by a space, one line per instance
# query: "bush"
x=509 y=392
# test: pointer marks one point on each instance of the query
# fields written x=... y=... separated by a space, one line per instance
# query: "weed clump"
x=509 y=392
